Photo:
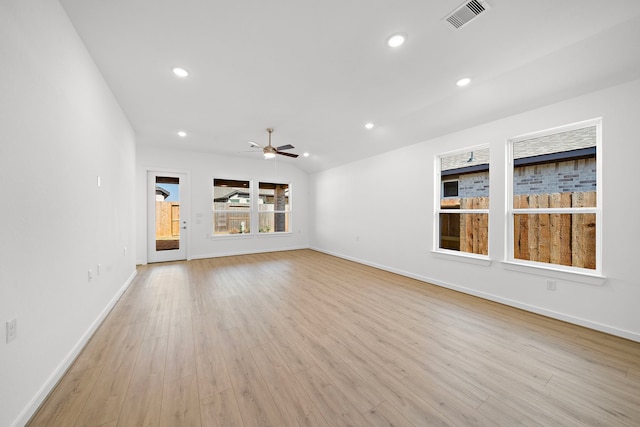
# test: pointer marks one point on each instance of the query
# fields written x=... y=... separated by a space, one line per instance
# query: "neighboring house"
x=557 y=163
x=266 y=196
x=161 y=194
x=223 y=195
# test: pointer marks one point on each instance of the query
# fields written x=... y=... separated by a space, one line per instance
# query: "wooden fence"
x=465 y=232
x=474 y=228
x=167 y=220
x=229 y=219
x=564 y=239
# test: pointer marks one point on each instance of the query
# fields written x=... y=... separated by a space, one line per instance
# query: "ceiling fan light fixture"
x=269 y=151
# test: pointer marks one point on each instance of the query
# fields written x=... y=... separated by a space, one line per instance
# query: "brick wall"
x=474 y=185
x=561 y=177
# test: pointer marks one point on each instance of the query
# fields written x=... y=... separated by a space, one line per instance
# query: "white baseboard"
x=247 y=252
x=59 y=372
x=630 y=335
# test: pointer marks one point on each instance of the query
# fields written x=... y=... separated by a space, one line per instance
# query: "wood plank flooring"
x=301 y=338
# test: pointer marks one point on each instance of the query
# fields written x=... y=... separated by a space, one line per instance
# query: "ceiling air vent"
x=466 y=13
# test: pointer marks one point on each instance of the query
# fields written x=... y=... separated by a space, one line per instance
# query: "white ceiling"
x=316 y=71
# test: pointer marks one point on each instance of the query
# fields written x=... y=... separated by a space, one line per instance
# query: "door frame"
x=185 y=215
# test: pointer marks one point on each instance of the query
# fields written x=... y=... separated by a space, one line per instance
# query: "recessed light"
x=305 y=154
x=182 y=134
x=369 y=125
x=463 y=82
x=396 y=40
x=180 y=72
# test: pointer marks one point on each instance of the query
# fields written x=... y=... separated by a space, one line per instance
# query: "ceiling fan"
x=270 y=151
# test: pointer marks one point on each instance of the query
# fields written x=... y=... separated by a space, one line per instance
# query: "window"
x=274 y=207
x=231 y=206
x=554 y=198
x=450 y=188
x=463 y=202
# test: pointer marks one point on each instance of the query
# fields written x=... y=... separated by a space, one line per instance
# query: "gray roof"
x=548 y=144
x=165 y=193
x=555 y=143
x=463 y=160
x=226 y=192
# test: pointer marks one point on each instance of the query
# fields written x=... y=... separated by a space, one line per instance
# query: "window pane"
x=232 y=222
x=556 y=170
x=465 y=176
x=450 y=189
x=272 y=222
x=465 y=232
x=167 y=213
x=231 y=206
x=274 y=207
x=563 y=239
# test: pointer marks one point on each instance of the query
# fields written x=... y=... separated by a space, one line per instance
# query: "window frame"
x=478 y=259
x=555 y=270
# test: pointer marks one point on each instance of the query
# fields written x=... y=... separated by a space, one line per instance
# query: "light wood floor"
x=303 y=338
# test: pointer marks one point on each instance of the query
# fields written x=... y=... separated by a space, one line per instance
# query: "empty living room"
x=285 y=213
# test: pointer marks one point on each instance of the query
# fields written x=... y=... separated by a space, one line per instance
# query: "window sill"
x=231 y=236
x=248 y=235
x=587 y=277
x=274 y=234
x=481 y=260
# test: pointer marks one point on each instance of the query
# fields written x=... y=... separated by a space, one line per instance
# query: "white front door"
x=167 y=216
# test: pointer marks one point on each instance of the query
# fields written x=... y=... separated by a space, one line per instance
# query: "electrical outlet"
x=12 y=330
x=125 y=250
x=90 y=274
x=551 y=285
x=98 y=269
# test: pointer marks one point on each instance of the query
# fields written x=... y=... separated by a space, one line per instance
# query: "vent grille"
x=466 y=13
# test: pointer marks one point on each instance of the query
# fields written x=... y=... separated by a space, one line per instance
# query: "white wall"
x=60 y=128
x=351 y=206
x=201 y=169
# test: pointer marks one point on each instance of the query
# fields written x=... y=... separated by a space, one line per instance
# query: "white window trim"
x=462 y=256
x=469 y=258
x=582 y=275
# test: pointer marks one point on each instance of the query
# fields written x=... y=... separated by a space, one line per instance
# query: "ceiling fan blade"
x=287 y=154
x=253 y=144
x=285 y=147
